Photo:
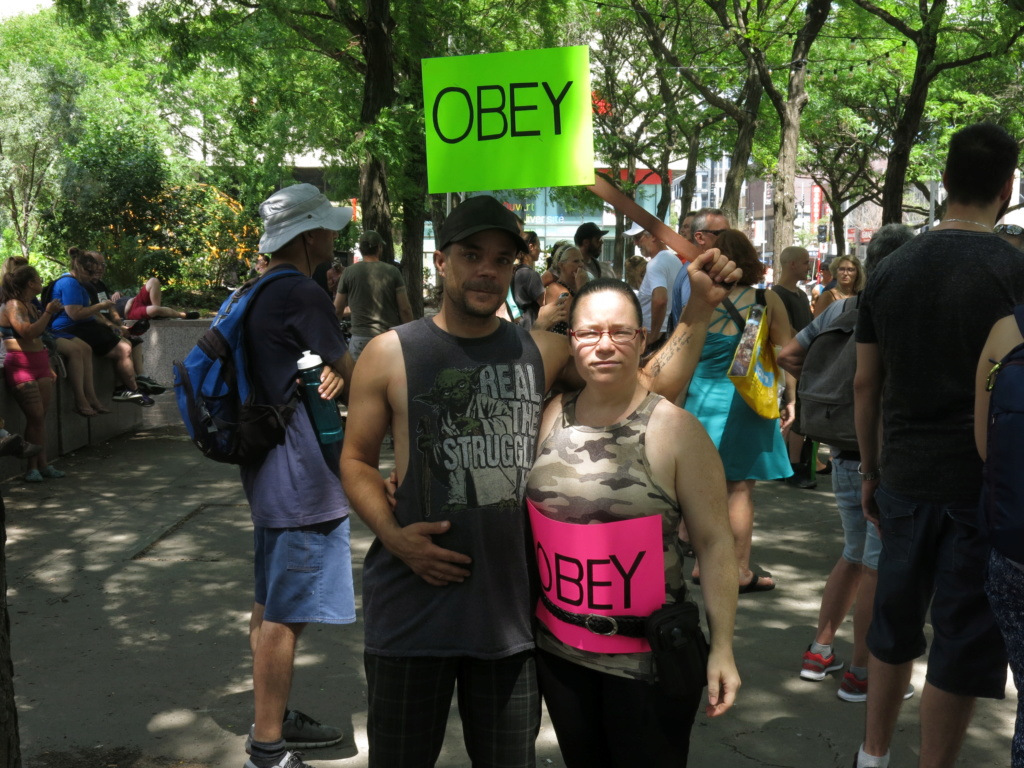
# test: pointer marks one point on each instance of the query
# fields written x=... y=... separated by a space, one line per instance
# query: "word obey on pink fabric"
x=607 y=569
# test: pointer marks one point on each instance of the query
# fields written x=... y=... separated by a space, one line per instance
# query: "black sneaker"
x=149 y=386
x=302 y=731
x=125 y=395
x=801 y=478
x=290 y=760
x=191 y=316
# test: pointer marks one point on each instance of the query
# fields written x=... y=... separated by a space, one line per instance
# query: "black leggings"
x=605 y=721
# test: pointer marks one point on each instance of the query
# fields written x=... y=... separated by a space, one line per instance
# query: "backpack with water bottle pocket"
x=214 y=388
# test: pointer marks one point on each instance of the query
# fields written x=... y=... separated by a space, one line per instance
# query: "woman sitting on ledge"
x=147 y=304
x=27 y=363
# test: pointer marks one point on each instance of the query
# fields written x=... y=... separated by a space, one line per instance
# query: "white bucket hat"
x=293 y=210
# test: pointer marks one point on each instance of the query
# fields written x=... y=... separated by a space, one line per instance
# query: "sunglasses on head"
x=1014 y=230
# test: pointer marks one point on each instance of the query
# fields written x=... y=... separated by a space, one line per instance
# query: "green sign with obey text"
x=509 y=120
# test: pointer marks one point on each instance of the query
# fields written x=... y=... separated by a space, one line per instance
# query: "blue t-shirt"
x=680 y=296
x=298 y=483
x=69 y=291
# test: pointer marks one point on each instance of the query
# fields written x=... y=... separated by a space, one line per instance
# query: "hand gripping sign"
x=509 y=120
x=591 y=571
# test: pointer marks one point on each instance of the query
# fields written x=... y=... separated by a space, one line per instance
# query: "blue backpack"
x=214 y=387
x=1002 y=496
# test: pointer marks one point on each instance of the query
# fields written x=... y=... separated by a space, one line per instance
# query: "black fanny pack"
x=678 y=645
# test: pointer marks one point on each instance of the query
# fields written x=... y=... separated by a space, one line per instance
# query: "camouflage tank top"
x=593 y=475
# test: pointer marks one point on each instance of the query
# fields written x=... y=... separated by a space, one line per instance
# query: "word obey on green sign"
x=509 y=120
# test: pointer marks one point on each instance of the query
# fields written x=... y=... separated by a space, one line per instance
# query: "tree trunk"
x=839 y=231
x=688 y=188
x=783 y=193
x=665 y=190
x=378 y=95
x=414 y=216
x=619 y=256
x=905 y=132
x=10 y=743
x=743 y=148
x=789 y=111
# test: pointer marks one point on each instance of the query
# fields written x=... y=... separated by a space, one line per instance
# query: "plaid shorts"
x=409 y=699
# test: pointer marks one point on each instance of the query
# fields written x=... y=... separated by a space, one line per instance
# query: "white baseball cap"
x=635 y=230
x=293 y=210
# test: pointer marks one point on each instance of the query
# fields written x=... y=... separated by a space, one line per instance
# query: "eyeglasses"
x=1013 y=230
x=715 y=232
x=587 y=337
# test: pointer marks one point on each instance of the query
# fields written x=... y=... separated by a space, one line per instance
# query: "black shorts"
x=934 y=556
x=97 y=335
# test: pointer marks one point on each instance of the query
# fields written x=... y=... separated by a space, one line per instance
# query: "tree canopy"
x=112 y=119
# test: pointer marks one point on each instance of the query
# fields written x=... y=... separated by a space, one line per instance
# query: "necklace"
x=970 y=221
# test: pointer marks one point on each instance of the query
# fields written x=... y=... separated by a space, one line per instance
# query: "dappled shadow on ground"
x=781 y=720
x=118 y=757
x=131 y=587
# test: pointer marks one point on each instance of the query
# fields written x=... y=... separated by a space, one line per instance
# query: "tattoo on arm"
x=675 y=343
x=21 y=313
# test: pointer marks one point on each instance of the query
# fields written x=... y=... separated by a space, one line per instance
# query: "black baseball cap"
x=589 y=230
x=478 y=214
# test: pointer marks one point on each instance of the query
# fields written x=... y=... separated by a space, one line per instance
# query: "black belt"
x=623 y=626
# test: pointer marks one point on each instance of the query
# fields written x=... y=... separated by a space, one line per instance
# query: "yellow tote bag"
x=754 y=372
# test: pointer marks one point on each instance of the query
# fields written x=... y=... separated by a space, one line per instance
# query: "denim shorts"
x=860 y=538
x=304 y=575
x=933 y=555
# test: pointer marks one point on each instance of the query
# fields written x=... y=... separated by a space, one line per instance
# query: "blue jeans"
x=860 y=538
x=1005 y=589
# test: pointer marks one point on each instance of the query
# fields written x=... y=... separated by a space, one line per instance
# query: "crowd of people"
x=533 y=468
x=553 y=474
x=56 y=331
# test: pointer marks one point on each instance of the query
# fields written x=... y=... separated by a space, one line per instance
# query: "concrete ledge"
x=67 y=431
x=167 y=341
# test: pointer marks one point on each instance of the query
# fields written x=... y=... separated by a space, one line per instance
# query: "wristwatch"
x=874 y=474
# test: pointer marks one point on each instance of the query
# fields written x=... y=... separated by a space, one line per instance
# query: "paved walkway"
x=130 y=588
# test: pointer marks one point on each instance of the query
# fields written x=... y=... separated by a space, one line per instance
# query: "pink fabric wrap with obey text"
x=606 y=569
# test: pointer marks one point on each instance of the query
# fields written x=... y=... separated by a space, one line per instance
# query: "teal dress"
x=751 y=447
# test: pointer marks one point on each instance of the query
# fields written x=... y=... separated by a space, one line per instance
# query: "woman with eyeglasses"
x=751 y=447
x=616 y=469
x=849 y=282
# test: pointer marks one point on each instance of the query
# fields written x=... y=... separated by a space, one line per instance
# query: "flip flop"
x=756 y=585
x=87 y=412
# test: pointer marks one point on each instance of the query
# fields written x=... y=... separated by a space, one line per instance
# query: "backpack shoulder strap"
x=733 y=312
x=1018 y=313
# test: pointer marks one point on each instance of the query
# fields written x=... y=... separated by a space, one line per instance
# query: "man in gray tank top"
x=446 y=583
